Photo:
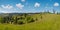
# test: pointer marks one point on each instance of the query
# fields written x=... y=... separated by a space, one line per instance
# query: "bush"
x=36 y=19
x=31 y=20
x=20 y=22
x=3 y=20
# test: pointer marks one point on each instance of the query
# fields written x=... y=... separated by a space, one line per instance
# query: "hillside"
x=48 y=22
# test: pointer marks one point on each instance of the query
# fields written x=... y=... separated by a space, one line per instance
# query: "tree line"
x=16 y=19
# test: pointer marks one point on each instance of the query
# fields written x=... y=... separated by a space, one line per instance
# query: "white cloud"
x=37 y=4
x=23 y=0
x=56 y=4
x=0 y=8
x=7 y=6
x=5 y=12
x=19 y=5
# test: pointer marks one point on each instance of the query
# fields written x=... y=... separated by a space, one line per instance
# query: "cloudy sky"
x=26 y=6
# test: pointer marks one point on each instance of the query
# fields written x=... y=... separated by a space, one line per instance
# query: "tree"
x=15 y=20
x=57 y=13
x=1 y=19
x=25 y=14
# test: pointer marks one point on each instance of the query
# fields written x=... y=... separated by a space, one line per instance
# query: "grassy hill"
x=48 y=22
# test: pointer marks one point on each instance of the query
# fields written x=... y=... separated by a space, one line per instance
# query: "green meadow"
x=48 y=22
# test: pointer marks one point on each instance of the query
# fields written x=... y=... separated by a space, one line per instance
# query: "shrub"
x=36 y=19
x=31 y=20
x=20 y=22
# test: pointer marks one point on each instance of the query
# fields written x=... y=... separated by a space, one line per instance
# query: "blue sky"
x=26 y=6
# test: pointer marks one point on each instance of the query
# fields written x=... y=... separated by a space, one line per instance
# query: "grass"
x=49 y=22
